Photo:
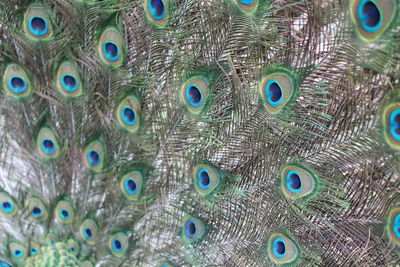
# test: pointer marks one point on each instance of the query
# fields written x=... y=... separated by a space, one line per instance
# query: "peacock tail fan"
x=199 y=133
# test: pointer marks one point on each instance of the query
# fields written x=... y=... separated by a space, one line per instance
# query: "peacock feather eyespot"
x=157 y=11
x=193 y=229
x=34 y=248
x=64 y=211
x=118 y=244
x=94 y=156
x=277 y=90
x=372 y=17
x=18 y=251
x=36 y=209
x=248 y=6
x=68 y=81
x=73 y=247
x=37 y=24
x=206 y=179
x=16 y=82
x=127 y=114
x=47 y=143
x=51 y=239
x=8 y=205
x=194 y=94
x=111 y=47
x=298 y=182
x=131 y=185
x=88 y=231
x=393 y=226
x=391 y=125
x=282 y=250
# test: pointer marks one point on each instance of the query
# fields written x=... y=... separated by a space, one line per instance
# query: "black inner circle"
x=281 y=247
x=65 y=213
x=112 y=49
x=397 y=121
x=132 y=185
x=192 y=228
x=48 y=144
x=194 y=92
x=118 y=244
x=94 y=156
x=6 y=205
x=69 y=81
x=38 y=24
x=158 y=5
x=276 y=91
x=205 y=179
x=295 y=181
x=88 y=232
x=129 y=114
x=397 y=118
x=17 y=82
x=37 y=210
x=372 y=13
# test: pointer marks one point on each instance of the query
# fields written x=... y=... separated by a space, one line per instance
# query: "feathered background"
x=200 y=133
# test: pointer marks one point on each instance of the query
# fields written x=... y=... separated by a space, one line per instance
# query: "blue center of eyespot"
x=36 y=212
x=193 y=95
x=246 y=2
x=117 y=246
x=88 y=233
x=18 y=253
x=64 y=214
x=72 y=249
x=279 y=247
x=369 y=15
x=131 y=186
x=69 y=83
x=394 y=124
x=274 y=93
x=48 y=146
x=190 y=229
x=293 y=181
x=128 y=116
x=17 y=85
x=111 y=51
x=38 y=26
x=157 y=9
x=94 y=158
x=7 y=207
x=396 y=225
x=203 y=179
x=33 y=251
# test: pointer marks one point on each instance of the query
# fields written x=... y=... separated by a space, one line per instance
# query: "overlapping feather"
x=332 y=125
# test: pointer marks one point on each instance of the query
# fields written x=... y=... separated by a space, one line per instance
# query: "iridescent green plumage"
x=199 y=133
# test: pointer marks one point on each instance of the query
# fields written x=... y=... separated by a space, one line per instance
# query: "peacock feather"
x=199 y=133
